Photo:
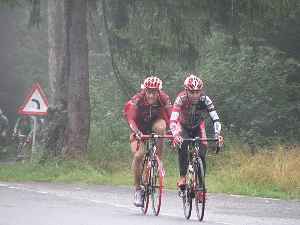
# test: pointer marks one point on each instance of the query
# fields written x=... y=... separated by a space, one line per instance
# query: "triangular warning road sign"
x=36 y=102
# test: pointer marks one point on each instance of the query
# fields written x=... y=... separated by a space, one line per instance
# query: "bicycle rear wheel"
x=200 y=187
x=145 y=185
x=156 y=185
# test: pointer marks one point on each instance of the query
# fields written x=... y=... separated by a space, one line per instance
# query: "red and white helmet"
x=193 y=83
x=152 y=83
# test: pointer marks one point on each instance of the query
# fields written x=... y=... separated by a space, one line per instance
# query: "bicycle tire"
x=145 y=185
x=156 y=184
x=18 y=152
x=187 y=202
x=200 y=186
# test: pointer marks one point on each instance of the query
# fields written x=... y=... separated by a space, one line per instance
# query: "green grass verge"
x=271 y=174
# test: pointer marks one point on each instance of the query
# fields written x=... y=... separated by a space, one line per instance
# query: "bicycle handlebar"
x=204 y=139
x=157 y=136
x=199 y=139
x=152 y=135
x=20 y=135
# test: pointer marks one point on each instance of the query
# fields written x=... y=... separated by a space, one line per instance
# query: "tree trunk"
x=55 y=38
x=78 y=127
x=56 y=114
x=69 y=114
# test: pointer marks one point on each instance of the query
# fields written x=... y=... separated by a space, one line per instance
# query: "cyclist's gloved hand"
x=220 y=139
x=177 y=140
x=28 y=138
x=137 y=134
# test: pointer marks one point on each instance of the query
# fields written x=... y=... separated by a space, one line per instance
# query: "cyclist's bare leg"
x=159 y=127
x=137 y=163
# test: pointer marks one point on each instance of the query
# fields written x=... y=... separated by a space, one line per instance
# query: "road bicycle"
x=152 y=178
x=196 y=181
x=24 y=147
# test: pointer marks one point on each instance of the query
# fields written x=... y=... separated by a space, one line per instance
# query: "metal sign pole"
x=34 y=133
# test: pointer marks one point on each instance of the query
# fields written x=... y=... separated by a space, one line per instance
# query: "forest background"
x=246 y=53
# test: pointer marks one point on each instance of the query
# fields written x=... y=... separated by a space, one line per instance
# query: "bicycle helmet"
x=193 y=83
x=152 y=82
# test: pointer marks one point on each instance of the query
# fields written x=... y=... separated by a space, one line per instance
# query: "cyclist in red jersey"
x=187 y=121
x=148 y=111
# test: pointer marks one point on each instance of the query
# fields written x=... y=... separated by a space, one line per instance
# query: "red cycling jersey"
x=190 y=115
x=141 y=115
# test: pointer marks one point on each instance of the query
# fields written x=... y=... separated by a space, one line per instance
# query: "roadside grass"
x=270 y=173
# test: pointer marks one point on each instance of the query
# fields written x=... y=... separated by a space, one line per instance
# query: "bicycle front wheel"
x=19 y=152
x=145 y=182
x=199 y=189
x=187 y=202
x=156 y=185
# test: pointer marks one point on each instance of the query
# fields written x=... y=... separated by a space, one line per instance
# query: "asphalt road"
x=50 y=203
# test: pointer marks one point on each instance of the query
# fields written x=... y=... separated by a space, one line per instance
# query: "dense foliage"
x=236 y=47
x=246 y=52
x=23 y=59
